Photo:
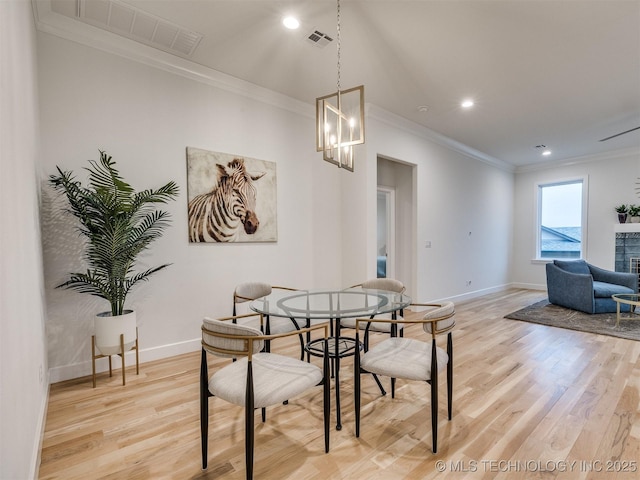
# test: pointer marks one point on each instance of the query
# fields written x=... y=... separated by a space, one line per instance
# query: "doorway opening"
x=386 y=247
x=396 y=221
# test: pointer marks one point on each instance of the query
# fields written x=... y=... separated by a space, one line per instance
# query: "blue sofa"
x=581 y=286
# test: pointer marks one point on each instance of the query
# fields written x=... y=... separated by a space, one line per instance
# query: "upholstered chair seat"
x=276 y=378
x=411 y=359
x=256 y=379
x=403 y=358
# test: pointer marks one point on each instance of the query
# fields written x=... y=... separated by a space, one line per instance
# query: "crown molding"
x=391 y=119
x=596 y=157
x=61 y=26
x=52 y=23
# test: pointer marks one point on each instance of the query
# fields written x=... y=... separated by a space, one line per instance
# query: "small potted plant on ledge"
x=622 y=213
x=118 y=224
x=634 y=213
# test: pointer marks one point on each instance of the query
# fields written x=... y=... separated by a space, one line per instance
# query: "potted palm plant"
x=117 y=224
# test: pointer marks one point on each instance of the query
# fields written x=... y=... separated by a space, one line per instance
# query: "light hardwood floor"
x=529 y=402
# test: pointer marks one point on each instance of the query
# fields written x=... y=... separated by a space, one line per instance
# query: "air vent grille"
x=128 y=21
x=319 y=39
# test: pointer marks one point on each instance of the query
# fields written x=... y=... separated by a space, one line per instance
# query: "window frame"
x=537 y=258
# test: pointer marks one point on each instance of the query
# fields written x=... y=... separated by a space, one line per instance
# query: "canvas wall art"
x=231 y=198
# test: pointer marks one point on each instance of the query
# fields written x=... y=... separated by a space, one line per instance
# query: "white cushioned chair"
x=392 y=328
x=249 y=291
x=257 y=379
x=411 y=359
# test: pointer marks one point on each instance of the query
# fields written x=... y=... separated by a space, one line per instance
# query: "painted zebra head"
x=240 y=192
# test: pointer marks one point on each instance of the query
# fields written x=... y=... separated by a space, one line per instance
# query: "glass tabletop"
x=632 y=298
x=329 y=304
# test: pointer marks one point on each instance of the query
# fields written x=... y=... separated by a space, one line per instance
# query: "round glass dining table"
x=331 y=306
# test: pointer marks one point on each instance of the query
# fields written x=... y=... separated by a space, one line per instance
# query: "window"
x=561 y=221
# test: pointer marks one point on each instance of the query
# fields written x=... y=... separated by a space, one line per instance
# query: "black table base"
x=339 y=347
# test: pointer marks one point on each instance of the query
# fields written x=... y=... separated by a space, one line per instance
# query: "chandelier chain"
x=338 y=129
x=338 y=10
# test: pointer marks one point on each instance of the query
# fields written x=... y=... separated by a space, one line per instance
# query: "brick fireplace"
x=628 y=248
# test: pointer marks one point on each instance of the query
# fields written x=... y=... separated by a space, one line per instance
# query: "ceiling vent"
x=128 y=21
x=319 y=39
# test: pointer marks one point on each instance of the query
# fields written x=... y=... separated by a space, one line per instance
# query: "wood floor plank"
x=530 y=401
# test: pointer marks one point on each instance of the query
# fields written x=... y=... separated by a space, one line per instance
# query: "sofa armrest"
x=629 y=280
x=571 y=290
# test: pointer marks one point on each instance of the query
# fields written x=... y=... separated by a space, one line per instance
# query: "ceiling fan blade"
x=618 y=134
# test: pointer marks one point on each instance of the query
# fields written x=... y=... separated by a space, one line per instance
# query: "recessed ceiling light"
x=467 y=103
x=545 y=151
x=291 y=23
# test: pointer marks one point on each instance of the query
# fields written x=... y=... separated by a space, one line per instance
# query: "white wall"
x=612 y=181
x=145 y=117
x=23 y=363
x=456 y=194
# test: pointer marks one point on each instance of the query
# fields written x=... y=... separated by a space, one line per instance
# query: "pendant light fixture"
x=340 y=120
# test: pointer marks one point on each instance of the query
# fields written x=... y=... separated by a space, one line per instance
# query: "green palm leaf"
x=118 y=224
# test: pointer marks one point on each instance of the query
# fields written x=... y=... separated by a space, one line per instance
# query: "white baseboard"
x=477 y=293
x=488 y=291
x=36 y=455
x=529 y=286
x=82 y=369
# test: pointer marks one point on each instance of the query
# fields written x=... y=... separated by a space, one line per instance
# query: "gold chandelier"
x=340 y=120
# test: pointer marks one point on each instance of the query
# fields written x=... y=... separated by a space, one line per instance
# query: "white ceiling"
x=560 y=73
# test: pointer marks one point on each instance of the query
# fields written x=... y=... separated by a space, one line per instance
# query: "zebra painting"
x=237 y=203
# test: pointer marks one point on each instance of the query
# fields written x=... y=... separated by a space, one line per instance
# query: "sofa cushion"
x=573 y=266
x=605 y=290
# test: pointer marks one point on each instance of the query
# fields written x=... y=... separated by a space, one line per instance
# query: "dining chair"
x=411 y=359
x=392 y=328
x=257 y=379
x=249 y=291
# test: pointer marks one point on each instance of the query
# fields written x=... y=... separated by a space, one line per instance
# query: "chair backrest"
x=443 y=318
x=219 y=338
x=388 y=284
x=247 y=292
x=573 y=266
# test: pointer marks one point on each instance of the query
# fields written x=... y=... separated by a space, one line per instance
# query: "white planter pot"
x=635 y=220
x=109 y=328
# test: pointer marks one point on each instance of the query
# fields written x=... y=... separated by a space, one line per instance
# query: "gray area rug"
x=545 y=313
